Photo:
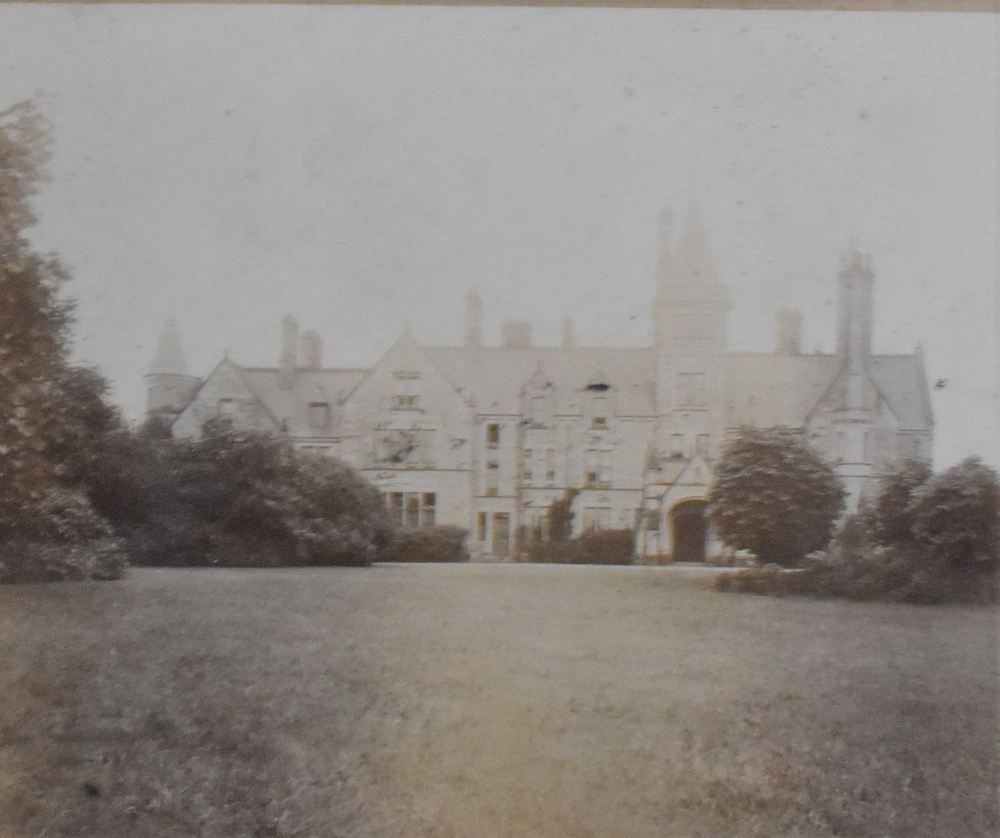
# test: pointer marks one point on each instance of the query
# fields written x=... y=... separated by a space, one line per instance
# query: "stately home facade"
x=487 y=437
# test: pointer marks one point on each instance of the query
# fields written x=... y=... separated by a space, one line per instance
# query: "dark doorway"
x=687 y=523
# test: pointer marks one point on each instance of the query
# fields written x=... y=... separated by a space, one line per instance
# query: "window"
x=527 y=470
x=677 y=447
x=703 y=444
x=318 y=415
x=492 y=477
x=228 y=408
x=404 y=402
x=599 y=423
x=427 y=509
x=691 y=390
x=597 y=468
x=492 y=435
x=406 y=375
x=412 y=509
x=481 y=526
x=550 y=466
x=596 y=518
x=501 y=534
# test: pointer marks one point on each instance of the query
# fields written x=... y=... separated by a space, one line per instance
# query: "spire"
x=665 y=265
x=694 y=260
x=168 y=359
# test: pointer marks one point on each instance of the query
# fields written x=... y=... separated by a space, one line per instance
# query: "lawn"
x=489 y=700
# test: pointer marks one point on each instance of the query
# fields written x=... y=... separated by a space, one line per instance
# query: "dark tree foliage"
x=53 y=420
x=773 y=496
x=560 y=516
x=889 y=520
x=956 y=514
x=428 y=544
x=242 y=498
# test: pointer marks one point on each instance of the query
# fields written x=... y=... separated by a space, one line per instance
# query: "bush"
x=774 y=496
x=245 y=499
x=957 y=516
x=608 y=547
x=75 y=544
x=856 y=568
x=428 y=544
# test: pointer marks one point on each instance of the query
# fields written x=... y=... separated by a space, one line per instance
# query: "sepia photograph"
x=501 y=421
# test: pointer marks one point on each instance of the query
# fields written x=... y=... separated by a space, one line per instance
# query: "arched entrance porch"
x=689 y=531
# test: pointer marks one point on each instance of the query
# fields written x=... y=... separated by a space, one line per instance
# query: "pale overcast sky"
x=364 y=167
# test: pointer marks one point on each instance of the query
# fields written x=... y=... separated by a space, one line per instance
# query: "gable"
x=225 y=393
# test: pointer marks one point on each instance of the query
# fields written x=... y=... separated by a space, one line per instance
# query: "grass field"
x=482 y=700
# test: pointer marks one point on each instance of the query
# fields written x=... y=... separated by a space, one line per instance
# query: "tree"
x=956 y=514
x=888 y=522
x=52 y=415
x=773 y=496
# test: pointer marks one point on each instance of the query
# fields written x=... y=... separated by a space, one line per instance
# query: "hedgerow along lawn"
x=486 y=700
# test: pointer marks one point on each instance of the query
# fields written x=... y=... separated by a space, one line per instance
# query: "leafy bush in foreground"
x=236 y=498
x=610 y=547
x=925 y=539
x=427 y=544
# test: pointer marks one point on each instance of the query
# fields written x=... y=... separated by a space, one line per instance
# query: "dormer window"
x=404 y=402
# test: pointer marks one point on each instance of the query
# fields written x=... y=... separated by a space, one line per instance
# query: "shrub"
x=775 y=497
x=76 y=544
x=428 y=544
x=235 y=498
x=609 y=547
x=957 y=515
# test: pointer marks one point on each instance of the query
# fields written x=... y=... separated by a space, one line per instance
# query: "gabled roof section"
x=497 y=375
x=765 y=390
x=903 y=383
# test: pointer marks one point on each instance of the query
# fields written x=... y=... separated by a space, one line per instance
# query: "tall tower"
x=856 y=395
x=169 y=387
x=854 y=309
x=690 y=341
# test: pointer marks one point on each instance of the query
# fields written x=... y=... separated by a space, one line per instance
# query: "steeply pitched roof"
x=495 y=375
x=766 y=390
x=901 y=379
x=290 y=406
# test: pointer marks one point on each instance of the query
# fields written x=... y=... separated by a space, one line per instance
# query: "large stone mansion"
x=487 y=437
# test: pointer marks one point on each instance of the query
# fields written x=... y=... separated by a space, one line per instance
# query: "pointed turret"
x=694 y=259
x=168 y=359
x=169 y=387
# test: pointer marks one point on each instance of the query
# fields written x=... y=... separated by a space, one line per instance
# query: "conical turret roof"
x=168 y=359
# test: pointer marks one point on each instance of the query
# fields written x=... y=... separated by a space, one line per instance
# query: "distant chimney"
x=516 y=334
x=289 y=352
x=568 y=339
x=789 y=332
x=311 y=356
x=473 y=320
